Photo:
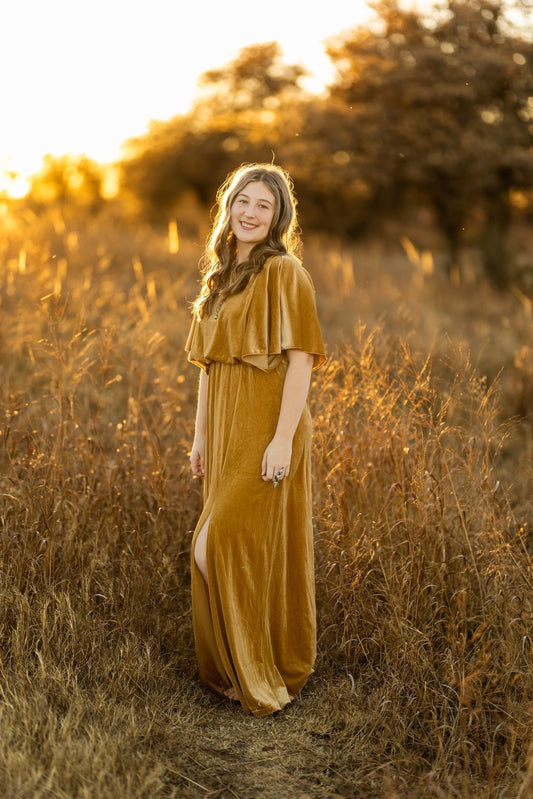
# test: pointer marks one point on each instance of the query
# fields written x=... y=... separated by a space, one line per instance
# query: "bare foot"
x=232 y=694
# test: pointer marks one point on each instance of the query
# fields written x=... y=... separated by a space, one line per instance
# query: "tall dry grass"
x=424 y=683
x=424 y=575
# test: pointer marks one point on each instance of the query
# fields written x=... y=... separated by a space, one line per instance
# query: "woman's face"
x=251 y=216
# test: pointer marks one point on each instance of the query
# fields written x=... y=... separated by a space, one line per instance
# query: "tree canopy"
x=433 y=110
x=445 y=111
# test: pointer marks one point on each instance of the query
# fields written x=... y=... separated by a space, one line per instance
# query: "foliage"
x=256 y=79
x=423 y=111
x=196 y=151
x=444 y=110
x=69 y=179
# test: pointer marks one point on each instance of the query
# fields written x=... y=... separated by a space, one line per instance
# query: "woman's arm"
x=198 y=447
x=295 y=390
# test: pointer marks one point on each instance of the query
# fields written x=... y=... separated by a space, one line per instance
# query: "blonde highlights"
x=221 y=276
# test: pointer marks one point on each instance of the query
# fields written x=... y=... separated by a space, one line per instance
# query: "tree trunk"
x=450 y=218
x=495 y=235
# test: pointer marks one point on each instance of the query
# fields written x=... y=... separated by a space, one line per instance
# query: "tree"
x=444 y=110
x=257 y=78
x=339 y=185
x=73 y=179
x=235 y=120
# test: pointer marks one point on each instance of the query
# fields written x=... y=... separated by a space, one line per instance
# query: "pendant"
x=217 y=311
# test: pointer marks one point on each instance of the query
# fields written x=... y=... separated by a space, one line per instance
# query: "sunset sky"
x=82 y=77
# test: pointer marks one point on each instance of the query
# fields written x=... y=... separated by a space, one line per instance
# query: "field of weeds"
x=423 y=517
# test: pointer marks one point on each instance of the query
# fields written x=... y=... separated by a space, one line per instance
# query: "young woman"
x=256 y=337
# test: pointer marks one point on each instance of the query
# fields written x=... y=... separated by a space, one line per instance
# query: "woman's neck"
x=243 y=255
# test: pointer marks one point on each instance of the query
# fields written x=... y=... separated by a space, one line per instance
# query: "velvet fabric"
x=255 y=628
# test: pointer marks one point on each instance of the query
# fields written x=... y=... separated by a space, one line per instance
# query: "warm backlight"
x=82 y=78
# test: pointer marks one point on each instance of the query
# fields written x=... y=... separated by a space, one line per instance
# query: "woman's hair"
x=221 y=277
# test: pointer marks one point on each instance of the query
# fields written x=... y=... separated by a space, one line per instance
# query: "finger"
x=278 y=476
x=197 y=465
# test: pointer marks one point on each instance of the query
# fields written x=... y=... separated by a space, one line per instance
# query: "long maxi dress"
x=255 y=627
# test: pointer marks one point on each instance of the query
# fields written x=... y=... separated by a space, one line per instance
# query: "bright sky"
x=81 y=76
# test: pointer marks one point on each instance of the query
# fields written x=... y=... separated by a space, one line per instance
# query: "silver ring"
x=278 y=476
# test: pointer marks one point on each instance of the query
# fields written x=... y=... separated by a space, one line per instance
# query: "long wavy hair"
x=221 y=275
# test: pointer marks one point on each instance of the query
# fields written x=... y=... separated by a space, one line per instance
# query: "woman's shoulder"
x=287 y=268
x=282 y=262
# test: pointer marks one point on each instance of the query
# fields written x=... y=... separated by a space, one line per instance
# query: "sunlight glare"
x=14 y=177
x=82 y=87
x=18 y=188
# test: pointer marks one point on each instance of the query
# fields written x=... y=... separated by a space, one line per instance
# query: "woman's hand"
x=198 y=457
x=295 y=387
x=277 y=456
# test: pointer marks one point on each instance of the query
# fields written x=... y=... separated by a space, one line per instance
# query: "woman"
x=256 y=337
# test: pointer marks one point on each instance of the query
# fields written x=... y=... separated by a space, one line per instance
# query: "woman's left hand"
x=276 y=460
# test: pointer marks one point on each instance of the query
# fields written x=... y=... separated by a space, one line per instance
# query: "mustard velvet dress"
x=255 y=629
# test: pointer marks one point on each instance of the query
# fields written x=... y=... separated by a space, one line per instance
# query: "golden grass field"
x=423 y=516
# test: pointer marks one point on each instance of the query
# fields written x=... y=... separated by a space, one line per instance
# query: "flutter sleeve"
x=282 y=316
x=195 y=345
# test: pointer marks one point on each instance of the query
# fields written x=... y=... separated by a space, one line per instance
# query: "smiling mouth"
x=248 y=226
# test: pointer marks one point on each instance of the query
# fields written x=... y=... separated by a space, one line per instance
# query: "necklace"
x=217 y=310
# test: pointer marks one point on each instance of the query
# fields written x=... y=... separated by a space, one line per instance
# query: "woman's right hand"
x=198 y=458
